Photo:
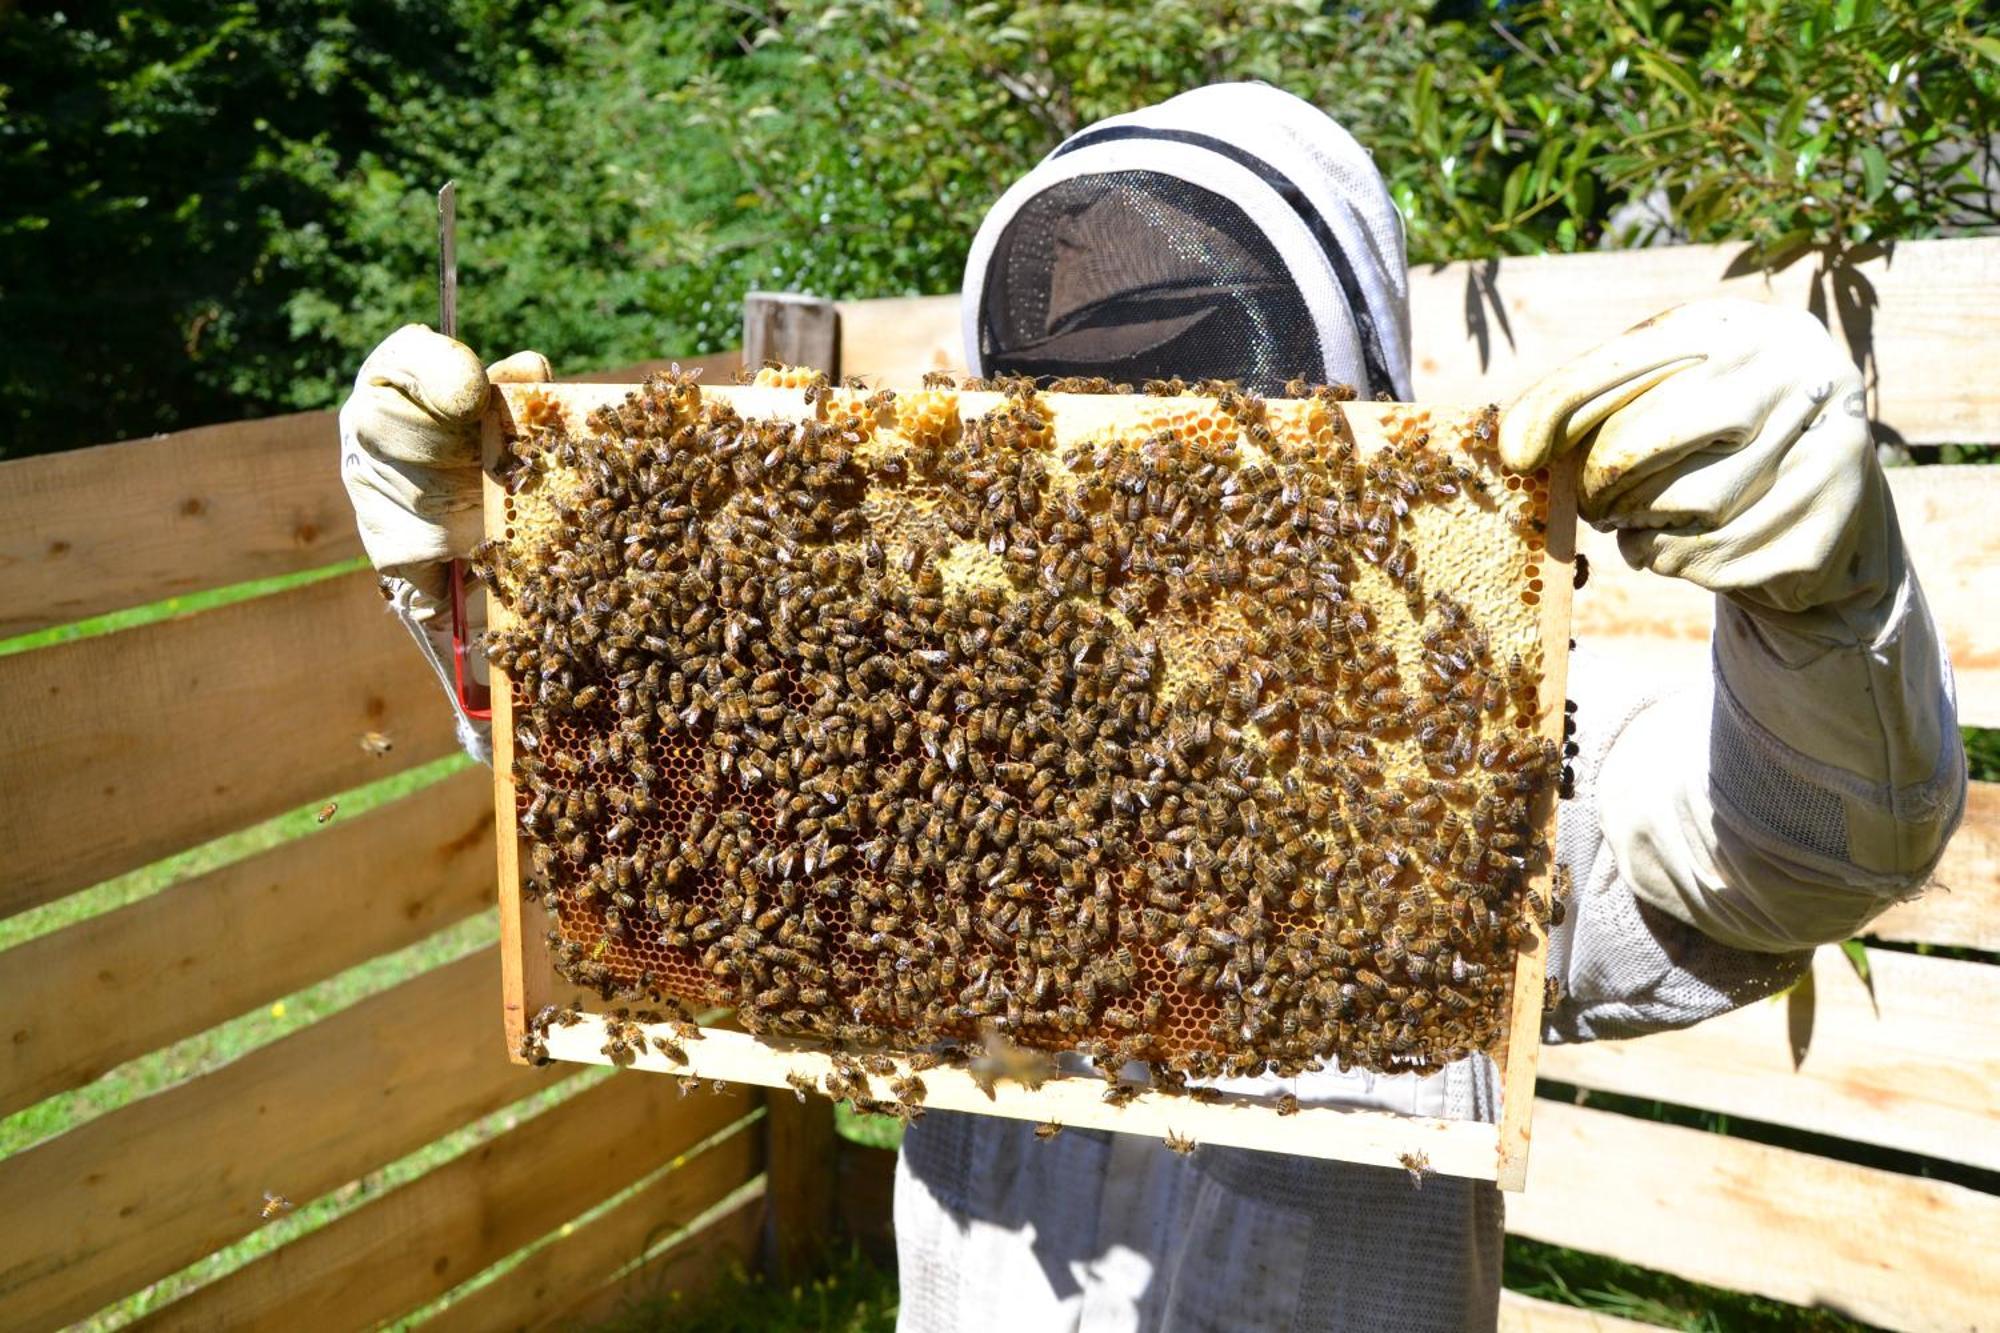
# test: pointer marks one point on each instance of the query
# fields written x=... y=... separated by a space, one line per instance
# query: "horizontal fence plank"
x=1652 y=629
x=131 y=746
x=146 y=1190
x=85 y=999
x=1879 y=1247
x=725 y=1243
x=121 y=525
x=1484 y=330
x=1489 y=328
x=1921 y=1075
x=417 y=1242
x=552 y=1280
x=1962 y=905
x=1947 y=517
x=1525 y=1314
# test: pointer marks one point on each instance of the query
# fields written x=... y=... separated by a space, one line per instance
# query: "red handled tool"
x=474 y=699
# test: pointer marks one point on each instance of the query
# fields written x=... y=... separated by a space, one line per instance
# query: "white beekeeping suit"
x=1717 y=830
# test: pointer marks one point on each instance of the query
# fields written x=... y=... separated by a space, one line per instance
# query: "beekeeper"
x=1721 y=827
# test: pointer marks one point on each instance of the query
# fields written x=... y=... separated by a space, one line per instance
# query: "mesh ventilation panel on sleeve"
x=1138 y=275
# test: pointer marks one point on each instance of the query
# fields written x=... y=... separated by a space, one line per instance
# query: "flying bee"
x=326 y=812
x=275 y=1205
x=1047 y=1130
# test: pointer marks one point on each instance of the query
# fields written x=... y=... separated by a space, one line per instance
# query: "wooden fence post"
x=796 y=330
x=800 y=1138
x=799 y=1161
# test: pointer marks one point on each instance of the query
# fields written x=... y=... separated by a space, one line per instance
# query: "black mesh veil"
x=1233 y=232
x=1138 y=275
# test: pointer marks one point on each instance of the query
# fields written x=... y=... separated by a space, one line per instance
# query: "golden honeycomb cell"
x=1181 y=728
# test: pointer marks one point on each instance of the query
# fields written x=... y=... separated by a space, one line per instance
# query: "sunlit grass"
x=207 y=600
x=182 y=866
x=852 y=1295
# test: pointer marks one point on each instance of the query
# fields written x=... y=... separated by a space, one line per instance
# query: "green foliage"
x=868 y=1130
x=213 y=211
x=147 y=172
x=1982 y=753
x=1787 y=123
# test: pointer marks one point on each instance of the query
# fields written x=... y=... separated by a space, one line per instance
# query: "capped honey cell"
x=1176 y=727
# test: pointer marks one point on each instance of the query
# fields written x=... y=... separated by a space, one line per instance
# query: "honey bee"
x=1418 y=1164
x=1180 y=1143
x=326 y=812
x=1047 y=1130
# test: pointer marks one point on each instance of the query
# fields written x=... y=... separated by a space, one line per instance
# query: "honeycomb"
x=1205 y=737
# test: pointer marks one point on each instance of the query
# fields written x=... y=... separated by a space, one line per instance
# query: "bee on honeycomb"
x=901 y=725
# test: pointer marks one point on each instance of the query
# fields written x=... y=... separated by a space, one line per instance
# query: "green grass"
x=870 y=1131
x=660 y=1243
x=311 y=1216
x=1572 y=1277
x=182 y=866
x=852 y=1295
x=174 y=606
x=196 y=1055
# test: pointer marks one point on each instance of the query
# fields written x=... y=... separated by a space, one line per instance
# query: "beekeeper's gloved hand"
x=1817 y=777
x=409 y=455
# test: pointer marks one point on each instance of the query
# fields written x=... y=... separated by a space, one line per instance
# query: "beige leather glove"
x=1817 y=777
x=409 y=456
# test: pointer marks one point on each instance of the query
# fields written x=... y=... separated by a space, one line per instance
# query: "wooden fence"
x=558 y=1194
x=120 y=749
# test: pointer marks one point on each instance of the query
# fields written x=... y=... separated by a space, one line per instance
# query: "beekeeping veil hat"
x=1232 y=232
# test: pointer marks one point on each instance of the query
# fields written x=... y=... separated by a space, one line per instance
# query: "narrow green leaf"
x=1583 y=194
x=1857 y=958
x=1669 y=72
x=1788 y=123
x=1800 y=1004
x=1510 y=193
x=1874 y=172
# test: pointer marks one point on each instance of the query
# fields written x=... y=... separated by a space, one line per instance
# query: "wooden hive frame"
x=1469 y=1148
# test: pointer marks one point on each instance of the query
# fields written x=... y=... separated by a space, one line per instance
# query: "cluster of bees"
x=897 y=731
